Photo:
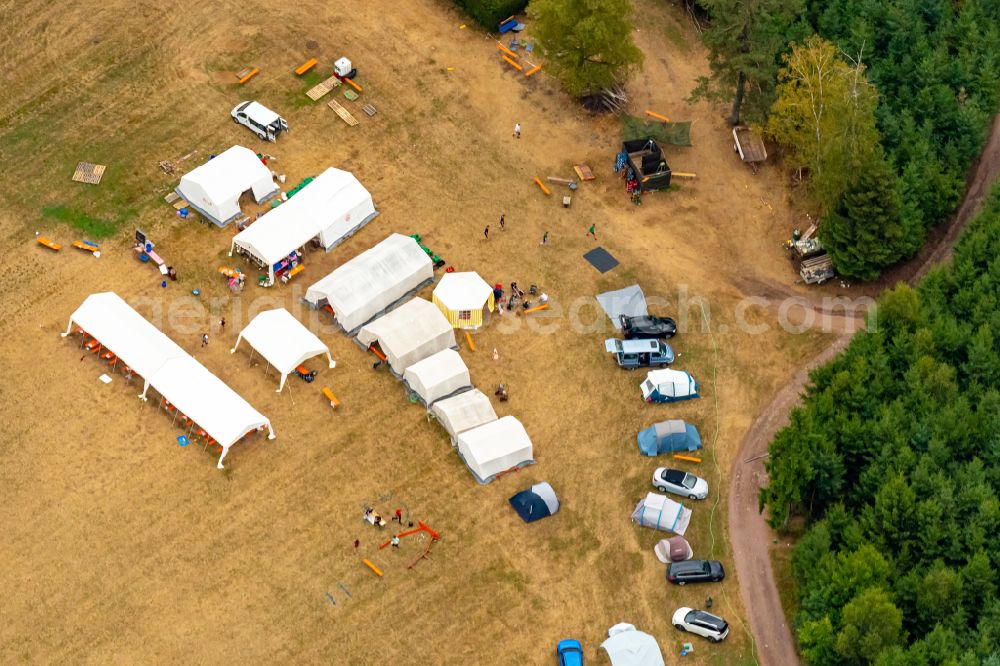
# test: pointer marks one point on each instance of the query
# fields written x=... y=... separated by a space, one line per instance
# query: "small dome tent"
x=669 y=436
x=538 y=502
x=674 y=549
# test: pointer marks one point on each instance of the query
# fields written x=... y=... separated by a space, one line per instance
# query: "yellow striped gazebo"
x=462 y=298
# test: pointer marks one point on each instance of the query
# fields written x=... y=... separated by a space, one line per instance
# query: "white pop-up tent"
x=283 y=341
x=463 y=412
x=374 y=280
x=173 y=373
x=214 y=188
x=329 y=209
x=495 y=447
x=438 y=376
x=410 y=333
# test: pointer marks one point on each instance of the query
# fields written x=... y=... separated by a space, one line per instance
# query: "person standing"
x=357 y=544
x=501 y=222
x=204 y=339
x=395 y=541
x=222 y=323
x=398 y=516
x=517 y=130
x=545 y=239
x=486 y=232
x=592 y=231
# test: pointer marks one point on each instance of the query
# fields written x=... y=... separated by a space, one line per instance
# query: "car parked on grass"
x=685 y=484
x=700 y=622
x=632 y=354
x=695 y=571
x=647 y=326
x=570 y=652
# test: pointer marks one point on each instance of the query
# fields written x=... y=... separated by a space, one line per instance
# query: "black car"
x=695 y=571
x=648 y=327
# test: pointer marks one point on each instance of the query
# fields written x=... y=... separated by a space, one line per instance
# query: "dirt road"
x=748 y=530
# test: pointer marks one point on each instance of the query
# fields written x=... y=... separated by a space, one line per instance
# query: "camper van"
x=632 y=354
x=668 y=386
x=261 y=120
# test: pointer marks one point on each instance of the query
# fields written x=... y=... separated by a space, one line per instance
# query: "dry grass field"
x=119 y=546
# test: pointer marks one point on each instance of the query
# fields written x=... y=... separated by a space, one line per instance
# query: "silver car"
x=680 y=483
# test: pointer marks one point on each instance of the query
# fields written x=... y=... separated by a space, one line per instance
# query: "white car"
x=680 y=483
x=262 y=121
x=700 y=622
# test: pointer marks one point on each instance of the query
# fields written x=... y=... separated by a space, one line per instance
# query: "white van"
x=261 y=120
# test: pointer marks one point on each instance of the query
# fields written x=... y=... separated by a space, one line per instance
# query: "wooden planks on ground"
x=342 y=112
x=89 y=173
x=320 y=89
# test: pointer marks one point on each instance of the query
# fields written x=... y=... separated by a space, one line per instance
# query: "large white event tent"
x=495 y=447
x=329 y=209
x=214 y=188
x=180 y=379
x=372 y=281
x=438 y=375
x=463 y=412
x=283 y=341
x=410 y=333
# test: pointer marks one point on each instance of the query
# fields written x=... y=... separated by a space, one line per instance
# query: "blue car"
x=570 y=652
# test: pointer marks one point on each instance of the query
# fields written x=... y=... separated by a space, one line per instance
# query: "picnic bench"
x=45 y=242
x=306 y=66
x=331 y=397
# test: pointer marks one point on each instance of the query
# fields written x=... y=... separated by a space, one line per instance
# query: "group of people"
x=516 y=295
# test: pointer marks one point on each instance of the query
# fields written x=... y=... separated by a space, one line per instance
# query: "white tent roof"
x=464 y=411
x=410 y=333
x=672 y=383
x=311 y=212
x=662 y=513
x=371 y=282
x=627 y=646
x=282 y=340
x=463 y=291
x=495 y=447
x=139 y=344
x=438 y=375
x=214 y=188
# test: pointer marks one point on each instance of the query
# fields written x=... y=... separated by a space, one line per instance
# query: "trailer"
x=817 y=270
x=749 y=146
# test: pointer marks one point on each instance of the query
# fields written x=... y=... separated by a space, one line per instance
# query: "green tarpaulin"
x=677 y=134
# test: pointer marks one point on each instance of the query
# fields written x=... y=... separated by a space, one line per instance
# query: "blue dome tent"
x=667 y=437
x=538 y=502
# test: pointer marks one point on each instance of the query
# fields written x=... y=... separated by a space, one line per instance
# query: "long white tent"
x=410 y=333
x=166 y=367
x=283 y=341
x=329 y=209
x=214 y=188
x=495 y=447
x=463 y=412
x=438 y=375
x=372 y=281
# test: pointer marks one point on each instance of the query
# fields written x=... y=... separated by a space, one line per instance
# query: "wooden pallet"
x=89 y=173
x=342 y=112
x=369 y=109
x=583 y=171
x=320 y=89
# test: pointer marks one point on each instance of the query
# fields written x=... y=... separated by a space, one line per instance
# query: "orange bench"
x=378 y=352
x=49 y=244
x=247 y=74
x=305 y=67
x=331 y=397
x=292 y=273
x=83 y=245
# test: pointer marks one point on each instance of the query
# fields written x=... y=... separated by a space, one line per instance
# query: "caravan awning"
x=282 y=340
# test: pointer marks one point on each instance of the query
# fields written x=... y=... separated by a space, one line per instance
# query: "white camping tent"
x=283 y=341
x=372 y=281
x=627 y=646
x=437 y=376
x=410 y=333
x=329 y=209
x=214 y=188
x=163 y=365
x=495 y=447
x=463 y=412
x=662 y=513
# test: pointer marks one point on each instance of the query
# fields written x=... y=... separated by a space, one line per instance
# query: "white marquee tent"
x=437 y=376
x=495 y=447
x=162 y=364
x=463 y=412
x=329 y=209
x=214 y=188
x=410 y=333
x=462 y=298
x=371 y=282
x=283 y=341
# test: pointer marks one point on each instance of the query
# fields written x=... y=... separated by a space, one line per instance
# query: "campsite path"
x=751 y=537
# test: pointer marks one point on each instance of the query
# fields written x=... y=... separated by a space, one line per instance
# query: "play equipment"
x=45 y=242
x=378 y=572
x=306 y=66
x=423 y=556
x=468 y=338
x=246 y=74
x=421 y=527
x=331 y=397
x=542 y=185
x=513 y=63
x=657 y=116
x=688 y=458
x=537 y=308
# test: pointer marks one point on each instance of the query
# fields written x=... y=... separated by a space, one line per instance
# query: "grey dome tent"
x=668 y=436
x=538 y=502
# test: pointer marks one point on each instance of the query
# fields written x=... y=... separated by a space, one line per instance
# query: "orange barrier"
x=532 y=70
x=657 y=116
x=543 y=306
x=688 y=458
x=378 y=572
x=305 y=67
x=513 y=64
x=249 y=75
x=542 y=185
x=331 y=397
x=49 y=244
x=506 y=50
x=468 y=338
